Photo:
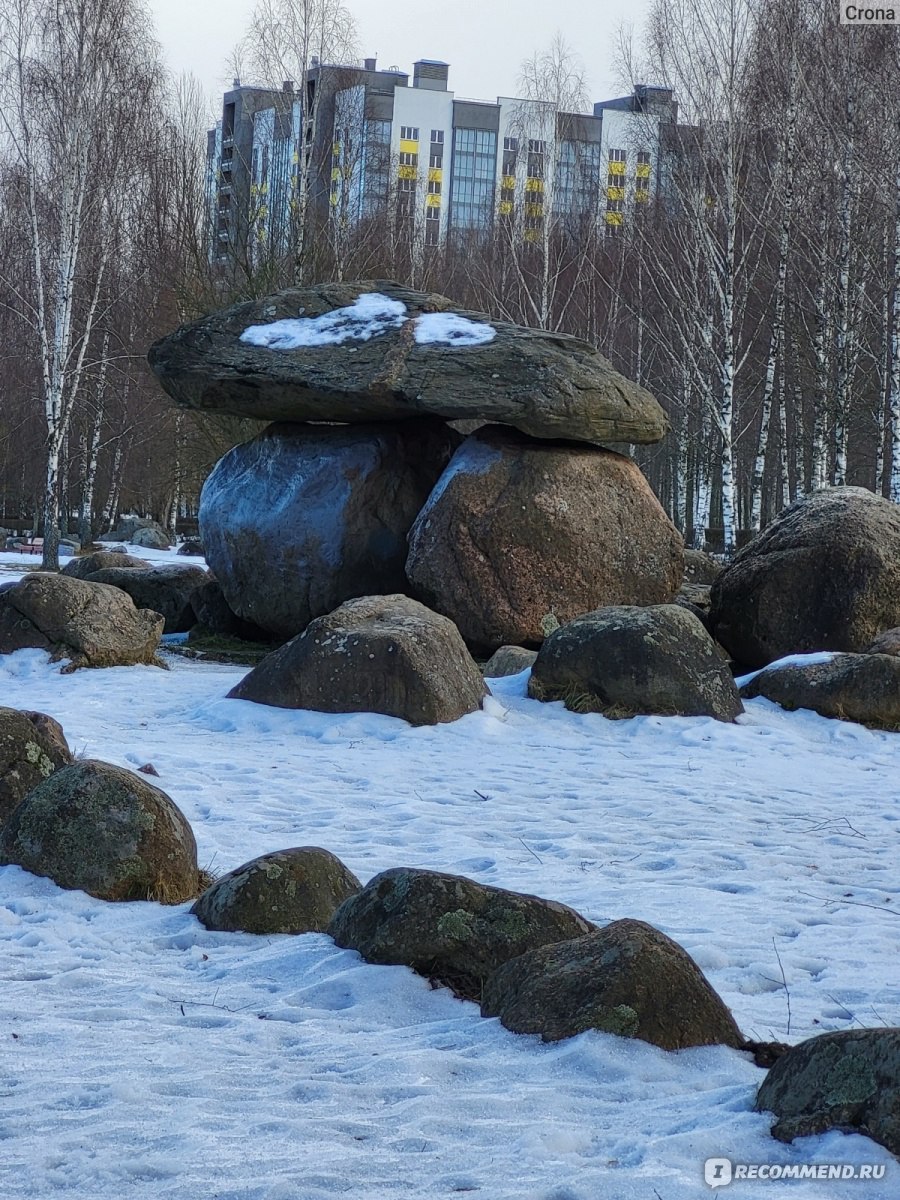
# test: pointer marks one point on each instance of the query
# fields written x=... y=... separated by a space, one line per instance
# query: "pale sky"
x=484 y=41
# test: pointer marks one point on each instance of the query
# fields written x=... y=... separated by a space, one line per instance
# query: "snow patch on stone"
x=370 y=315
x=450 y=329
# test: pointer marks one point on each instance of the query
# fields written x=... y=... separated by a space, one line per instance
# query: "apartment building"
x=359 y=142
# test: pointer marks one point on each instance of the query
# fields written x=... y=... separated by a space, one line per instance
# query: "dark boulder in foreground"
x=382 y=654
x=847 y=1080
x=303 y=518
x=625 y=661
x=825 y=575
x=627 y=978
x=287 y=891
x=548 y=385
x=448 y=928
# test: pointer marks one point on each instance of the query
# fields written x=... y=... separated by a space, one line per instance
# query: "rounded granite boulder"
x=287 y=891
x=105 y=831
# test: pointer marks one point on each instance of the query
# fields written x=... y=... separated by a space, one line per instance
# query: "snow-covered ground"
x=143 y=1056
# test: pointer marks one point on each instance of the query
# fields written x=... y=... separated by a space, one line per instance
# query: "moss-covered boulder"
x=105 y=831
x=32 y=747
x=627 y=978
x=625 y=660
x=288 y=891
x=447 y=927
x=847 y=1080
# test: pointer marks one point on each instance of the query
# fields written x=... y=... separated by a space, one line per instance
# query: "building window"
x=643 y=157
x=617 y=156
x=409 y=133
x=432 y=226
x=437 y=137
x=434 y=187
x=472 y=186
x=536 y=153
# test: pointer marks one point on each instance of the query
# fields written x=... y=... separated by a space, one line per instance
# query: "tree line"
x=755 y=294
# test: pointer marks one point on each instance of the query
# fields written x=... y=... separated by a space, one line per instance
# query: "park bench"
x=33 y=545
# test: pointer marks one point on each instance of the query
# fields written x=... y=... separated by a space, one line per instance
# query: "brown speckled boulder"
x=382 y=654
x=517 y=529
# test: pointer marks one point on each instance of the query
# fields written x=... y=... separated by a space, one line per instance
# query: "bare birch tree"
x=75 y=83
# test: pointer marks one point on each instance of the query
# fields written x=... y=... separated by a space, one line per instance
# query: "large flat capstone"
x=376 y=351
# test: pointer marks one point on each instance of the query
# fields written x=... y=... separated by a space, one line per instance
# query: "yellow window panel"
x=614 y=218
x=505 y=208
x=642 y=197
x=508 y=182
x=643 y=170
x=616 y=168
x=533 y=185
x=253 y=189
x=407 y=173
x=432 y=202
x=263 y=212
x=295 y=157
x=615 y=193
x=408 y=146
x=534 y=210
x=336 y=148
x=334 y=199
x=435 y=174
x=335 y=172
x=263 y=187
x=531 y=235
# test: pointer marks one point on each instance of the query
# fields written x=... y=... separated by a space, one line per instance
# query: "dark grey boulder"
x=548 y=385
x=627 y=978
x=92 y=624
x=102 y=560
x=303 y=518
x=105 y=831
x=139 y=531
x=851 y=687
x=825 y=575
x=165 y=589
x=288 y=891
x=448 y=928
x=518 y=530
x=192 y=547
x=383 y=654
x=32 y=747
x=211 y=611
x=508 y=660
x=886 y=643
x=847 y=1080
x=624 y=661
